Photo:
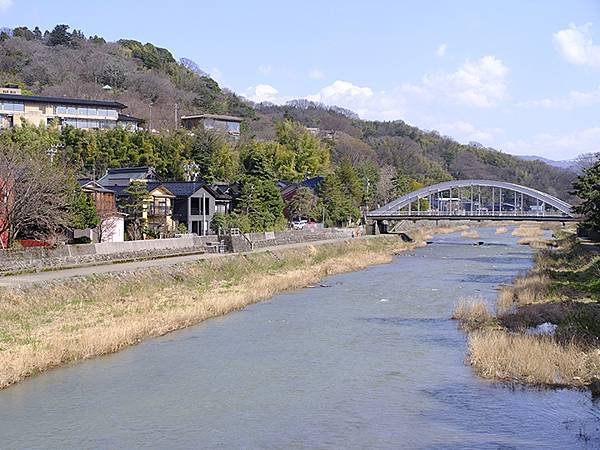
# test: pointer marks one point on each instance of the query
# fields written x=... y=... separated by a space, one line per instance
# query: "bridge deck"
x=496 y=217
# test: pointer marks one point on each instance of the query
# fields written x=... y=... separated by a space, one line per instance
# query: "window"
x=233 y=127
x=18 y=107
x=206 y=205
x=82 y=111
x=112 y=113
x=61 y=110
x=195 y=206
x=195 y=226
x=71 y=110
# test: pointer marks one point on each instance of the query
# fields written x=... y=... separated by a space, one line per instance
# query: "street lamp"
x=53 y=150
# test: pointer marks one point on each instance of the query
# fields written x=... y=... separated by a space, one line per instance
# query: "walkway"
x=44 y=277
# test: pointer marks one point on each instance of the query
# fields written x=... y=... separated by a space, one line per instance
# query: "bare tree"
x=34 y=196
x=585 y=161
x=107 y=224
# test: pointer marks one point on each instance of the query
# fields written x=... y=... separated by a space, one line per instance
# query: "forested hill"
x=65 y=63
x=423 y=155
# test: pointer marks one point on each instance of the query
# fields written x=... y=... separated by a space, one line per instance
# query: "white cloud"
x=441 y=50
x=480 y=83
x=557 y=146
x=5 y=4
x=316 y=74
x=572 y=100
x=575 y=45
x=265 y=69
x=264 y=93
x=466 y=132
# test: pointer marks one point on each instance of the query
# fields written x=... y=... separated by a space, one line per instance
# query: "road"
x=44 y=277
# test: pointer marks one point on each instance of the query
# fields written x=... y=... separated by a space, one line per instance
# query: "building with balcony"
x=16 y=108
x=228 y=125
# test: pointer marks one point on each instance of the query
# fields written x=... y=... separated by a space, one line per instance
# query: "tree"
x=350 y=182
x=208 y=150
x=587 y=188
x=401 y=183
x=135 y=205
x=34 y=201
x=339 y=210
x=303 y=204
x=311 y=155
x=82 y=209
x=59 y=36
x=260 y=201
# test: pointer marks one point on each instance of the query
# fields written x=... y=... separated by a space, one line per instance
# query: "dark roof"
x=213 y=116
x=187 y=188
x=128 y=118
x=61 y=100
x=312 y=183
x=93 y=185
x=121 y=175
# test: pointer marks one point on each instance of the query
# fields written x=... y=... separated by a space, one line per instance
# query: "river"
x=369 y=359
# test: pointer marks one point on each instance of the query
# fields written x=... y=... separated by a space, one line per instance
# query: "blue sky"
x=521 y=76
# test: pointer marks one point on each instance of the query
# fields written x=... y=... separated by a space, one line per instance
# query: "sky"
x=522 y=76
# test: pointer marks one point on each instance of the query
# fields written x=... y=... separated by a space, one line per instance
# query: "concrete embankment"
x=61 y=322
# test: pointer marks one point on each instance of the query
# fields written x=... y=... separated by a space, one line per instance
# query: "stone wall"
x=43 y=258
x=273 y=238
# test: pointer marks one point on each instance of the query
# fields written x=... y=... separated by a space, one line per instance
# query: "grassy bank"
x=562 y=289
x=43 y=327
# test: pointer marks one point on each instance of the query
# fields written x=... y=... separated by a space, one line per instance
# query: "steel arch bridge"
x=476 y=200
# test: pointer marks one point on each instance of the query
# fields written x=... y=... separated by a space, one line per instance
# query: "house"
x=228 y=125
x=157 y=208
x=195 y=203
x=124 y=176
x=112 y=222
x=79 y=113
x=130 y=123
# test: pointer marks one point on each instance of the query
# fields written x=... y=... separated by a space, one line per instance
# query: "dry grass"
x=501 y=230
x=43 y=327
x=529 y=231
x=531 y=359
x=472 y=313
x=448 y=230
x=470 y=234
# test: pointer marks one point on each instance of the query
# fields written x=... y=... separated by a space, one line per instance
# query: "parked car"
x=299 y=224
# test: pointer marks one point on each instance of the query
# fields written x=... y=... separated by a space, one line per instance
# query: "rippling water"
x=373 y=361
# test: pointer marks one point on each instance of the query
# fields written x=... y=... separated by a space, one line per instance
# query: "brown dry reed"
x=61 y=322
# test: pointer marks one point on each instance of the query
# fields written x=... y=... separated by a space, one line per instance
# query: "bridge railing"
x=466 y=213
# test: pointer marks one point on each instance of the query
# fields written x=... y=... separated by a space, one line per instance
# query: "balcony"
x=159 y=210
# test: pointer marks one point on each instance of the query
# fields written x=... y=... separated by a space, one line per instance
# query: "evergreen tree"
x=59 y=36
x=339 y=210
x=82 y=209
x=134 y=205
x=587 y=188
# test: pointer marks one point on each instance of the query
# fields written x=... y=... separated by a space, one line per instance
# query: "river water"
x=372 y=360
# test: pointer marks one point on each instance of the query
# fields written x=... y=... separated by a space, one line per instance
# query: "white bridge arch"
x=493 y=205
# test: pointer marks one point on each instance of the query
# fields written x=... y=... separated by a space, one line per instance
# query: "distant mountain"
x=567 y=164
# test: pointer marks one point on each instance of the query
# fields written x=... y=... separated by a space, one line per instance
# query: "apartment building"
x=16 y=108
x=228 y=125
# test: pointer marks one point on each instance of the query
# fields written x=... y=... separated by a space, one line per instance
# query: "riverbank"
x=65 y=321
x=544 y=329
